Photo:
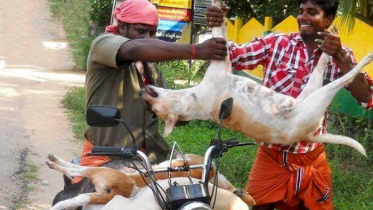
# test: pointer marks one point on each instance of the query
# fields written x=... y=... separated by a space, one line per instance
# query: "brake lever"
x=241 y=144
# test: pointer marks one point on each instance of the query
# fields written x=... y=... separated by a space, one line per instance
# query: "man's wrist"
x=197 y=49
x=341 y=55
x=194 y=55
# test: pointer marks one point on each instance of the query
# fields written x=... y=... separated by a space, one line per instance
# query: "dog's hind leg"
x=350 y=76
x=69 y=172
x=338 y=139
x=83 y=199
x=317 y=77
x=62 y=162
x=77 y=201
x=312 y=109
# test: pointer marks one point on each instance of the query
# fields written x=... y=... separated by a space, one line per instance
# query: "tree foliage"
x=101 y=12
x=349 y=9
x=278 y=9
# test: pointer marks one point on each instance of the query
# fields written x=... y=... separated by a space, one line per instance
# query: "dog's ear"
x=170 y=124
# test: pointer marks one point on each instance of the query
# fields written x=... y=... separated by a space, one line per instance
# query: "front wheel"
x=195 y=206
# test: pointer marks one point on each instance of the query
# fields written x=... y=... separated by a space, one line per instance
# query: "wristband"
x=194 y=51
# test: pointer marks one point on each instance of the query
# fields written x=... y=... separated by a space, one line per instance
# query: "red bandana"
x=134 y=12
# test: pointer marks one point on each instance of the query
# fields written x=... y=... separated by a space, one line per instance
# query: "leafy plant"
x=179 y=71
x=83 y=20
x=349 y=9
x=100 y=12
x=75 y=102
x=259 y=9
x=359 y=129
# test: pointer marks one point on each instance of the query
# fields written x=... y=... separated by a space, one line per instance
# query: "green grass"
x=75 y=102
x=195 y=136
x=352 y=174
x=30 y=178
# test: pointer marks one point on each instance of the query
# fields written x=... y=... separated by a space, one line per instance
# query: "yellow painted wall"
x=360 y=40
x=289 y=25
x=245 y=34
x=249 y=31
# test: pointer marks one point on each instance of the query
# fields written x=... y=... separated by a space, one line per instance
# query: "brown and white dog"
x=258 y=112
x=110 y=182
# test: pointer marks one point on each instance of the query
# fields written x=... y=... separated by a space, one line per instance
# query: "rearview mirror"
x=226 y=108
x=102 y=116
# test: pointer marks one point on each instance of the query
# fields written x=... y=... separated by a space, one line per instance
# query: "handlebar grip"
x=231 y=142
x=102 y=149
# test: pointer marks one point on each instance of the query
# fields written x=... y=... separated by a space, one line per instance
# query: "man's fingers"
x=213 y=9
x=214 y=19
x=327 y=34
x=221 y=44
x=334 y=30
x=218 y=57
x=329 y=48
x=221 y=53
x=218 y=14
x=327 y=51
x=322 y=34
x=220 y=40
x=221 y=47
x=214 y=24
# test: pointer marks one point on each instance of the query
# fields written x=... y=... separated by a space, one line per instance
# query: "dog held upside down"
x=258 y=112
x=110 y=182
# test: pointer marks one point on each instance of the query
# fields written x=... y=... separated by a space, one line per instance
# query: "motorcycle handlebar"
x=114 y=151
x=101 y=149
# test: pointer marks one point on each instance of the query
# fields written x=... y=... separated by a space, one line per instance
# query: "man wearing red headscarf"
x=120 y=64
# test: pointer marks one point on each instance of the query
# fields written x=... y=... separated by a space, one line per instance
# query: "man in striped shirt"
x=296 y=176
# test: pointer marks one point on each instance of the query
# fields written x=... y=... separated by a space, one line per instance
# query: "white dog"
x=258 y=112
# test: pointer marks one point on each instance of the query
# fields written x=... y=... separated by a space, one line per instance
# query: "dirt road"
x=34 y=76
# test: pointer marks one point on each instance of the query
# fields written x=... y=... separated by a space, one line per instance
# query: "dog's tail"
x=338 y=139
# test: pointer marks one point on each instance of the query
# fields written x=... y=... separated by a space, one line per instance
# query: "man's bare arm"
x=359 y=88
x=153 y=50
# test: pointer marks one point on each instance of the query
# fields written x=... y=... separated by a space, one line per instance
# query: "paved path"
x=35 y=73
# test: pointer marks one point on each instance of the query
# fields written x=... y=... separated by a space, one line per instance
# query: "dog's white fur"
x=144 y=200
x=110 y=182
x=258 y=112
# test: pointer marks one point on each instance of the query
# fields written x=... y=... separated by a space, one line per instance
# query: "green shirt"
x=119 y=86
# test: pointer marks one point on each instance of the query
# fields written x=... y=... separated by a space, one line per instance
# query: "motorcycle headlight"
x=195 y=206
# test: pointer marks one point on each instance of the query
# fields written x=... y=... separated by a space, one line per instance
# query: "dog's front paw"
x=245 y=197
x=52 y=158
x=50 y=164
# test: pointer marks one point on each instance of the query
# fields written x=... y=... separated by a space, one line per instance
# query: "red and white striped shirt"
x=287 y=68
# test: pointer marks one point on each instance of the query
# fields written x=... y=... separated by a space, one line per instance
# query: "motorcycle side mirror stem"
x=225 y=111
x=106 y=116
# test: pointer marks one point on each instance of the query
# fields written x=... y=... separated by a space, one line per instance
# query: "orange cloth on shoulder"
x=287 y=179
x=89 y=160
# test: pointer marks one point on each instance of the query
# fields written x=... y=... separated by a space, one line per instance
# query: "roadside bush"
x=100 y=12
x=75 y=102
x=83 y=20
x=179 y=70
